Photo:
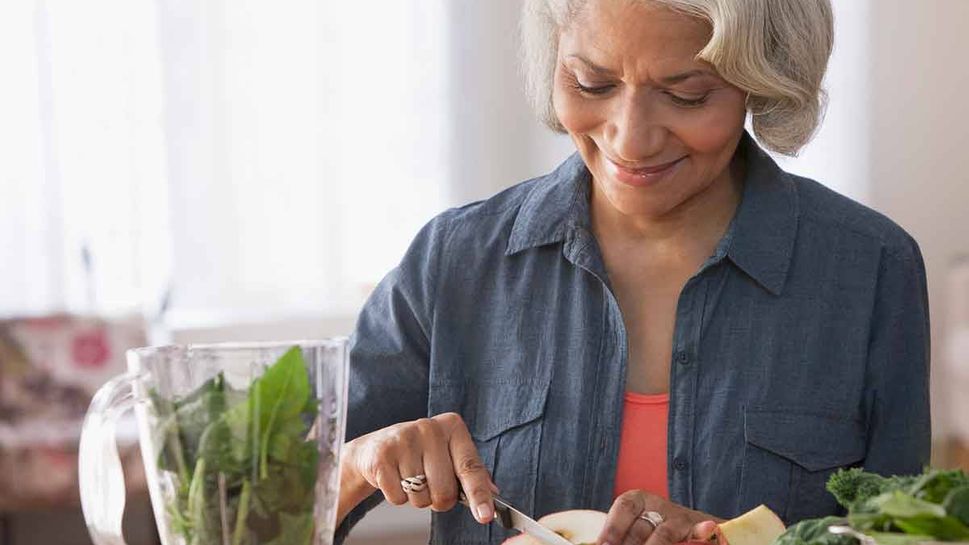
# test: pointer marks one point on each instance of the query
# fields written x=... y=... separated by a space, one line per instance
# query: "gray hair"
x=775 y=50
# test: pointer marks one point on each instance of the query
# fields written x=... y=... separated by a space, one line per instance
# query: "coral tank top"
x=642 y=445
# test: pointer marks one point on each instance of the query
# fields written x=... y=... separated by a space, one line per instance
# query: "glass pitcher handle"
x=100 y=476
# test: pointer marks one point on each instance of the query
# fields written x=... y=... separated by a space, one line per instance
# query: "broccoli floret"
x=852 y=486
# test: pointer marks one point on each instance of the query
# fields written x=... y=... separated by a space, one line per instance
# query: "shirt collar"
x=556 y=205
x=765 y=225
x=760 y=239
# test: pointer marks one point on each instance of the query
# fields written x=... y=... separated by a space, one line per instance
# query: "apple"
x=759 y=526
x=579 y=526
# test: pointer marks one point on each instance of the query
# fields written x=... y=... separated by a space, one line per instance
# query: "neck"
x=693 y=228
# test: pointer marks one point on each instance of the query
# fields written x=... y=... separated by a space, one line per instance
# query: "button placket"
x=682 y=357
x=682 y=389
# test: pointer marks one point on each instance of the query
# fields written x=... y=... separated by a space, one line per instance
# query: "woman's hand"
x=439 y=447
x=625 y=525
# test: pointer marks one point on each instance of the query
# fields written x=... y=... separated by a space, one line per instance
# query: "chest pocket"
x=505 y=420
x=788 y=457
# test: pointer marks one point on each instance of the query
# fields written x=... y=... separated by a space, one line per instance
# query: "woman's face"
x=655 y=126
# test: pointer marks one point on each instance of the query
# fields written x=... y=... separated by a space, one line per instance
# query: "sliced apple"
x=759 y=526
x=579 y=526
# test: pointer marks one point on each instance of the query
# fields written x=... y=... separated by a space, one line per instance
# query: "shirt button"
x=682 y=357
x=680 y=464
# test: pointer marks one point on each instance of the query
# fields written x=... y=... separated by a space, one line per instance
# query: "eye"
x=687 y=102
x=591 y=90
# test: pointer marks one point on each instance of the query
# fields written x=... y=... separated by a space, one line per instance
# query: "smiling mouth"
x=645 y=170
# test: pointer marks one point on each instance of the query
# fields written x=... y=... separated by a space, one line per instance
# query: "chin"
x=632 y=201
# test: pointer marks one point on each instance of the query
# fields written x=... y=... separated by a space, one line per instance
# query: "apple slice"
x=759 y=526
x=579 y=526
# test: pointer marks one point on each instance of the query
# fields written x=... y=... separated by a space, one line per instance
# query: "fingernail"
x=484 y=512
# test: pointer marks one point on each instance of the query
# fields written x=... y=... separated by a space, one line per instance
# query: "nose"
x=634 y=131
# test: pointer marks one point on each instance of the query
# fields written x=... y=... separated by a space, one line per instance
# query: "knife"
x=513 y=519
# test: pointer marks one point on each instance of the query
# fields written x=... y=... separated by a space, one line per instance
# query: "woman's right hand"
x=439 y=447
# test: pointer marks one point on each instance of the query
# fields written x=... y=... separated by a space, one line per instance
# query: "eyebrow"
x=668 y=80
x=677 y=78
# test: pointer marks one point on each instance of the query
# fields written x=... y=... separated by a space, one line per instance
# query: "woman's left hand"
x=626 y=525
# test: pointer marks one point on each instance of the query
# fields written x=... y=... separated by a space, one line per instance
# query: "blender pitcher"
x=241 y=443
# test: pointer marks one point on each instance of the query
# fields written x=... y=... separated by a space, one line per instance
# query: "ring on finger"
x=653 y=518
x=415 y=484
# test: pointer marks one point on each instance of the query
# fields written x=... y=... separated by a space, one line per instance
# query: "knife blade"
x=513 y=519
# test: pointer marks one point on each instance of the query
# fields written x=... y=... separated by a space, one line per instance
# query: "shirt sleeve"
x=899 y=426
x=390 y=350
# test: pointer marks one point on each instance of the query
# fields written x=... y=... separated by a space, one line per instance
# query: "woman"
x=668 y=327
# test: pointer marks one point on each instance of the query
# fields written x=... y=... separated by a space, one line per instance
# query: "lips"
x=640 y=176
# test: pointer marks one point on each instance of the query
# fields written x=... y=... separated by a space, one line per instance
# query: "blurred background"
x=197 y=171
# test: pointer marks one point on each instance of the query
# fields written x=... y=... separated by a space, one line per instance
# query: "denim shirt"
x=800 y=346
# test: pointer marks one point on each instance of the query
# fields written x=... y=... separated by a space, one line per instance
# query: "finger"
x=441 y=483
x=471 y=473
x=673 y=530
x=703 y=531
x=388 y=480
x=621 y=517
x=412 y=466
x=639 y=532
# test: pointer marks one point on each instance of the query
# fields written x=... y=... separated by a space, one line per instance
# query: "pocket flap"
x=813 y=441
x=493 y=408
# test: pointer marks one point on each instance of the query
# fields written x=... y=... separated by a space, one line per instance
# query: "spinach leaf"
x=889 y=538
x=934 y=485
x=278 y=397
x=297 y=529
x=956 y=503
x=898 y=504
x=244 y=463
x=942 y=528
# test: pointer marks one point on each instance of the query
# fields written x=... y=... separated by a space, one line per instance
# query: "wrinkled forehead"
x=567 y=12
x=616 y=32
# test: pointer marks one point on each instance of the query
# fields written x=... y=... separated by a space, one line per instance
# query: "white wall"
x=919 y=132
x=838 y=154
x=495 y=139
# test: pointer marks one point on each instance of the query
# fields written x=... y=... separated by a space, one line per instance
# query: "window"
x=254 y=158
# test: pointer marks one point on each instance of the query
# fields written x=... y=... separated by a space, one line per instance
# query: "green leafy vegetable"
x=855 y=485
x=934 y=485
x=956 y=503
x=897 y=504
x=244 y=468
x=814 y=532
x=897 y=510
